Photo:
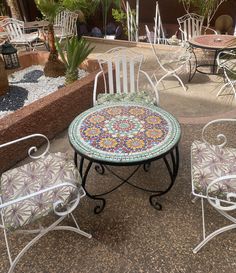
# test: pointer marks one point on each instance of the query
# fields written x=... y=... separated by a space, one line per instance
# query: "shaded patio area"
x=129 y=235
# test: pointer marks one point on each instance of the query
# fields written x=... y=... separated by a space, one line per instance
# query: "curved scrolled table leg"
x=99 y=208
x=146 y=166
x=173 y=171
x=99 y=168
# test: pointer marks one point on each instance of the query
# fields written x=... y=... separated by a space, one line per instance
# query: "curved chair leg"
x=52 y=227
x=162 y=78
x=211 y=236
x=180 y=81
x=222 y=88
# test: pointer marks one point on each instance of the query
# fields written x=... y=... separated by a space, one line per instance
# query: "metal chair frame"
x=223 y=206
x=62 y=214
x=227 y=61
x=119 y=64
x=191 y=25
x=65 y=22
x=169 y=72
x=16 y=34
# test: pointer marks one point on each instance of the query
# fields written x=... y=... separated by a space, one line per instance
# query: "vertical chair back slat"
x=110 y=77
x=125 y=74
x=121 y=66
x=132 y=79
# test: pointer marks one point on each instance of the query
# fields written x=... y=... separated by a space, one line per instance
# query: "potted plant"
x=50 y=8
x=75 y=53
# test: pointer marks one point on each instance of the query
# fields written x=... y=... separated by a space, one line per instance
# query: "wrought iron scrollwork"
x=99 y=168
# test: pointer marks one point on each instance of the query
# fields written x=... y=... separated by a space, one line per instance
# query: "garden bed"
x=49 y=115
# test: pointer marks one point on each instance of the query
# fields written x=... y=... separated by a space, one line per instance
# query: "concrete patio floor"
x=130 y=236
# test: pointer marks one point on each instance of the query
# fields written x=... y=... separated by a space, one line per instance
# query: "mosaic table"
x=125 y=134
x=212 y=43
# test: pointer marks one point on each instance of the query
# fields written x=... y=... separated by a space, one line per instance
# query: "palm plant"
x=85 y=8
x=49 y=9
x=75 y=53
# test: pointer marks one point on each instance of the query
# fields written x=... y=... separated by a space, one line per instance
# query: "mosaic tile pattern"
x=124 y=132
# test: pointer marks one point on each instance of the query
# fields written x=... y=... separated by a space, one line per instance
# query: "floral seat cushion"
x=210 y=162
x=53 y=169
x=142 y=97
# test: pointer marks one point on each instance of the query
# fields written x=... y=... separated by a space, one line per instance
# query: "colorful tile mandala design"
x=124 y=132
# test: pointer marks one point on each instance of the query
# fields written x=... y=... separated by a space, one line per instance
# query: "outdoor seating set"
x=21 y=33
x=125 y=127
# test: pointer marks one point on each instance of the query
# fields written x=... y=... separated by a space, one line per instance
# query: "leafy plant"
x=75 y=53
x=120 y=16
x=85 y=7
x=3 y=9
x=206 y=8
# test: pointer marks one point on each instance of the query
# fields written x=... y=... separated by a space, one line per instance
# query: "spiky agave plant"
x=76 y=51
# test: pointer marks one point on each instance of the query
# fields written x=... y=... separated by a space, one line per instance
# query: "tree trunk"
x=54 y=67
x=14 y=8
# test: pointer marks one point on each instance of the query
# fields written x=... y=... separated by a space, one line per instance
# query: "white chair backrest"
x=150 y=40
x=13 y=27
x=132 y=27
x=120 y=67
x=190 y=25
x=66 y=20
x=159 y=35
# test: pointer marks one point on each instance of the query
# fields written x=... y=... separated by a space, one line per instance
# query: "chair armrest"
x=95 y=88
x=152 y=84
x=230 y=200
x=221 y=138
x=32 y=149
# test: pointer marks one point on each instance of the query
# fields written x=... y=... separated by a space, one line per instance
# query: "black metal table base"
x=172 y=166
x=213 y=66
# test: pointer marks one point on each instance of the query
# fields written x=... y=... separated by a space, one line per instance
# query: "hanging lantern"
x=10 y=57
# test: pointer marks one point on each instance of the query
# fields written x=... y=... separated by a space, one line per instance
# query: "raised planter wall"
x=49 y=115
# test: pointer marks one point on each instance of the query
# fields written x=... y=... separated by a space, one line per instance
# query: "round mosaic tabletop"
x=213 y=41
x=124 y=133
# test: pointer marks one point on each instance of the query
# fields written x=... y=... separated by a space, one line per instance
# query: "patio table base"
x=101 y=168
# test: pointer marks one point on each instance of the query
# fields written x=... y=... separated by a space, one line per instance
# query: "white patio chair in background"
x=65 y=24
x=213 y=171
x=120 y=68
x=227 y=61
x=177 y=60
x=158 y=34
x=16 y=34
x=49 y=184
x=191 y=25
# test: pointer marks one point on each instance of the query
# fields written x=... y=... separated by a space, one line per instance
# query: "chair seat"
x=142 y=97
x=210 y=162
x=25 y=38
x=53 y=169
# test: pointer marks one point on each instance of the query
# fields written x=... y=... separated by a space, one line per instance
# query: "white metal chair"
x=227 y=61
x=120 y=68
x=49 y=184
x=191 y=25
x=158 y=34
x=65 y=24
x=213 y=172
x=177 y=59
x=16 y=34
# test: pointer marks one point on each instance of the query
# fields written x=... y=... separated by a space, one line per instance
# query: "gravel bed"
x=29 y=85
